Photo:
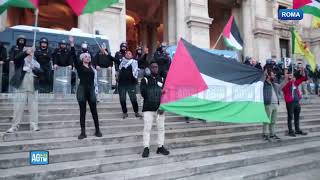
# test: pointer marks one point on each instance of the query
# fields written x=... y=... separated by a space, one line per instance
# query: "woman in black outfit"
x=86 y=90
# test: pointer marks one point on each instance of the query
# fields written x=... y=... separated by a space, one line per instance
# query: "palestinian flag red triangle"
x=210 y=87
x=190 y=83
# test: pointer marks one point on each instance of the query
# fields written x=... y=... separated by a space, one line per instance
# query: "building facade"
x=149 y=22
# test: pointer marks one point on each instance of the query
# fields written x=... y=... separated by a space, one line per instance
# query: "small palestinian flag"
x=89 y=6
x=308 y=6
x=213 y=88
x=5 y=4
x=232 y=36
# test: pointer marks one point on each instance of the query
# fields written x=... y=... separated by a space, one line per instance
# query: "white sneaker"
x=12 y=130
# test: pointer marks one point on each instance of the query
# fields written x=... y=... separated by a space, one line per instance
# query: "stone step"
x=306 y=175
x=268 y=170
x=65 y=103
x=115 y=98
x=24 y=126
x=75 y=117
x=184 y=168
x=136 y=125
x=65 y=110
x=105 y=122
x=109 y=130
x=8 y=112
x=59 y=106
x=124 y=166
x=113 y=121
x=190 y=152
x=172 y=142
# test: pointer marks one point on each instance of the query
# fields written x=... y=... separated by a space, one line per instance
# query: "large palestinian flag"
x=210 y=87
x=308 y=6
x=231 y=35
x=5 y=4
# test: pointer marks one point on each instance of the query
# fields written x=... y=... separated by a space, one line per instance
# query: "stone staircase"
x=199 y=150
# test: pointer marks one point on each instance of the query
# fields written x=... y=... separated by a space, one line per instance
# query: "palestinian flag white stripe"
x=314 y=4
x=233 y=42
x=219 y=90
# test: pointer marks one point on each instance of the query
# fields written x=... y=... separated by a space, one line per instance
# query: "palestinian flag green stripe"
x=311 y=10
x=97 y=5
x=5 y=4
x=232 y=112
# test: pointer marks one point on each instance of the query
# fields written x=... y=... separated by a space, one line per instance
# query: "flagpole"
x=292 y=70
x=36 y=13
x=215 y=45
x=94 y=37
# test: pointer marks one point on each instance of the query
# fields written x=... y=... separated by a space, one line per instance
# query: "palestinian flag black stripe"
x=232 y=35
x=205 y=86
x=222 y=68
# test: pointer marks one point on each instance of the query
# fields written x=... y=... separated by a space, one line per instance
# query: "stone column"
x=110 y=22
x=172 y=22
x=247 y=27
x=85 y=23
x=180 y=15
x=143 y=33
x=263 y=30
x=154 y=36
x=3 y=21
x=165 y=20
x=198 y=23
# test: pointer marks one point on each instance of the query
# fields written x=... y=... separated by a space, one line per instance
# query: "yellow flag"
x=299 y=47
x=315 y=22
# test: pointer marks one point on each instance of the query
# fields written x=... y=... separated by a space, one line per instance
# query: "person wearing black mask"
x=16 y=52
x=163 y=60
x=117 y=60
x=141 y=57
x=120 y=54
x=5 y=68
x=103 y=58
x=44 y=56
x=127 y=81
x=62 y=56
x=151 y=91
x=86 y=90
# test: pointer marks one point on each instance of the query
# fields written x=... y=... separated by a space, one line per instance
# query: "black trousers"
x=46 y=81
x=84 y=95
x=316 y=85
x=293 y=110
x=131 y=90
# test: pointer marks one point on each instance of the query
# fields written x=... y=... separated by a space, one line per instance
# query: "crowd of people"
x=285 y=80
x=34 y=70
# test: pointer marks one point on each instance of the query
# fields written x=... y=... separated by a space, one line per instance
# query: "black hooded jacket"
x=17 y=55
x=62 y=57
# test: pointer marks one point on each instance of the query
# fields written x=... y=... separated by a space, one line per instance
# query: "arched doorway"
x=220 y=11
x=144 y=23
x=55 y=14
